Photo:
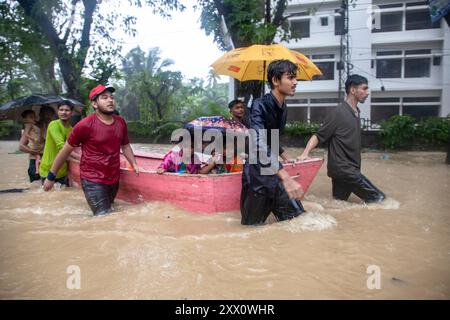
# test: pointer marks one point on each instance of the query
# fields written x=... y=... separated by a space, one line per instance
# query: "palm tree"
x=147 y=77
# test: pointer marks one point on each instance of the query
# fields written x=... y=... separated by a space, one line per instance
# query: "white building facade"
x=405 y=57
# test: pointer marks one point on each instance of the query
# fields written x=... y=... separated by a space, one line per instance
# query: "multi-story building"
x=405 y=57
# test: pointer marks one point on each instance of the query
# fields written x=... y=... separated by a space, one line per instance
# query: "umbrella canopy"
x=250 y=63
x=219 y=123
x=12 y=109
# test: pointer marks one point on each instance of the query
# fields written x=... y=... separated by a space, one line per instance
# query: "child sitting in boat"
x=173 y=162
x=216 y=166
x=213 y=166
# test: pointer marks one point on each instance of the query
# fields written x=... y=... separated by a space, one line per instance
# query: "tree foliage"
x=27 y=65
x=77 y=33
x=247 y=22
x=148 y=82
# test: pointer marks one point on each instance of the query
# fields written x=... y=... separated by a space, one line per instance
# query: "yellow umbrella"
x=250 y=63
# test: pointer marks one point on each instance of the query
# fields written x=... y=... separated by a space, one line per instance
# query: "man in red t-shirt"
x=101 y=135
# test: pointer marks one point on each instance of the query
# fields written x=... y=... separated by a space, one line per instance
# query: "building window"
x=389 y=21
x=418 y=107
x=399 y=17
x=417 y=68
x=300 y=28
x=325 y=62
x=415 y=63
x=383 y=108
x=324 y=100
x=419 y=19
x=421 y=99
x=324 y=21
x=389 y=68
x=297 y=114
x=319 y=114
x=327 y=69
x=421 y=112
x=296 y=101
x=384 y=112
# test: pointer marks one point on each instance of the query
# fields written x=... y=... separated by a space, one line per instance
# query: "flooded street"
x=158 y=251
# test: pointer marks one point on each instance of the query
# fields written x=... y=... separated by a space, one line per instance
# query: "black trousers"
x=359 y=185
x=99 y=196
x=32 y=171
x=256 y=207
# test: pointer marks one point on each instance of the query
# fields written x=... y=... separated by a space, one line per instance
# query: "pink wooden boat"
x=197 y=193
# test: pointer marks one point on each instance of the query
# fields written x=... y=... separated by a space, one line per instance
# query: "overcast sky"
x=179 y=39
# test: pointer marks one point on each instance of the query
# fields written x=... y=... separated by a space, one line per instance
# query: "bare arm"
x=286 y=158
x=74 y=156
x=312 y=143
x=292 y=187
x=129 y=155
x=23 y=144
x=207 y=169
x=62 y=156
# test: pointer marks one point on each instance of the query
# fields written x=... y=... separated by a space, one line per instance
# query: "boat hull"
x=199 y=193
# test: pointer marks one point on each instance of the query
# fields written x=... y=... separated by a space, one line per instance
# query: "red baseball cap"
x=99 y=89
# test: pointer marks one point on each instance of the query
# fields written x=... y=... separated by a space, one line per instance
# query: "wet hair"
x=70 y=105
x=25 y=113
x=234 y=102
x=278 y=67
x=354 y=80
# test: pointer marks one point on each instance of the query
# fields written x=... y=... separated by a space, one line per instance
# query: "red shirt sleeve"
x=125 y=139
x=79 y=134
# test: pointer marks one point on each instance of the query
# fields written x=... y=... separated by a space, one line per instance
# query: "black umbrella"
x=12 y=109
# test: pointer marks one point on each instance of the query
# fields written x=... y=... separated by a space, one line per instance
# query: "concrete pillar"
x=360 y=45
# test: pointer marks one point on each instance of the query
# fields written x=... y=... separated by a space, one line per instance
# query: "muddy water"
x=158 y=251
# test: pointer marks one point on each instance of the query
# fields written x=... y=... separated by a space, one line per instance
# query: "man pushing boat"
x=101 y=136
x=266 y=185
x=342 y=133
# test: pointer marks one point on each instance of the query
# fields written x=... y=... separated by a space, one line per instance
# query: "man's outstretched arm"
x=62 y=156
x=312 y=143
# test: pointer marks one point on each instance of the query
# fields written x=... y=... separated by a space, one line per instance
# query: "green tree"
x=150 y=84
x=247 y=22
x=71 y=27
x=26 y=63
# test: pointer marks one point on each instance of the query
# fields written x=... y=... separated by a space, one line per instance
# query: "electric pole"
x=344 y=50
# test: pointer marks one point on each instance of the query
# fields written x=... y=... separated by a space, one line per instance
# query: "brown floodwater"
x=155 y=250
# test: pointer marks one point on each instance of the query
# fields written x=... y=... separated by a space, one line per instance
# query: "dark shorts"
x=359 y=185
x=99 y=196
x=256 y=207
x=32 y=171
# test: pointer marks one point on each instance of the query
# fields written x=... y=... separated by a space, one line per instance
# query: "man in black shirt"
x=266 y=186
x=342 y=133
